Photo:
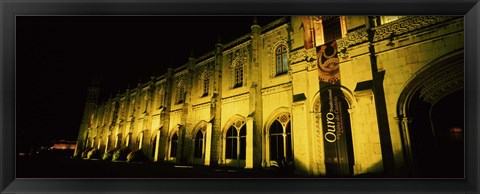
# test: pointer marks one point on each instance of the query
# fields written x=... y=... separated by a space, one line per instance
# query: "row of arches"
x=234 y=141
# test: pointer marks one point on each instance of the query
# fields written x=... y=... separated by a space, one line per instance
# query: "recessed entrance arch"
x=332 y=115
x=431 y=109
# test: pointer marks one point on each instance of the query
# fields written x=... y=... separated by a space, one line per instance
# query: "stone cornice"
x=206 y=56
x=277 y=88
x=274 y=24
x=399 y=27
x=235 y=98
x=407 y=24
x=236 y=47
x=353 y=38
x=237 y=41
x=201 y=105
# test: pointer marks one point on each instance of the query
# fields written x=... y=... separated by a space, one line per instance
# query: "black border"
x=11 y=8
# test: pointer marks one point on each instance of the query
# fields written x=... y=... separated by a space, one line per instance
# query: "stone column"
x=249 y=147
x=208 y=144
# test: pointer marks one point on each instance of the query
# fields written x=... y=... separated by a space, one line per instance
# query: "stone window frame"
x=181 y=93
x=161 y=94
x=284 y=119
x=201 y=130
x=238 y=73
x=170 y=145
x=284 y=63
x=318 y=25
x=204 y=84
x=237 y=124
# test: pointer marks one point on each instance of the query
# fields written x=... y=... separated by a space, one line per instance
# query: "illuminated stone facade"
x=256 y=102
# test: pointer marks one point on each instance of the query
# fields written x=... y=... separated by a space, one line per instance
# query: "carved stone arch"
x=275 y=45
x=204 y=73
x=201 y=125
x=348 y=94
x=424 y=130
x=272 y=54
x=180 y=83
x=174 y=130
x=438 y=70
x=234 y=120
x=273 y=116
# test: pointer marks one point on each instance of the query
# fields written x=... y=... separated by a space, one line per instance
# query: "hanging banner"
x=328 y=63
x=334 y=114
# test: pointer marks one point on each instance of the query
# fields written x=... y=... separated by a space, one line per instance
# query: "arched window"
x=238 y=75
x=281 y=59
x=236 y=141
x=173 y=145
x=161 y=97
x=199 y=149
x=231 y=144
x=145 y=101
x=206 y=85
x=280 y=139
x=181 y=93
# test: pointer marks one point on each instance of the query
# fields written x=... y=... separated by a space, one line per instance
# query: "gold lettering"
x=332 y=136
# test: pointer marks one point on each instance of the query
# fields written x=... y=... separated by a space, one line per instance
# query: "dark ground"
x=36 y=167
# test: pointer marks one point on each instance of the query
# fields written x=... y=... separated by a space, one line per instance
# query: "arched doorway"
x=432 y=111
x=333 y=117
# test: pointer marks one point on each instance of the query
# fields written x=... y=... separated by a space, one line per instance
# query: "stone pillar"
x=157 y=143
x=301 y=136
x=208 y=144
x=256 y=97
x=216 y=104
x=249 y=147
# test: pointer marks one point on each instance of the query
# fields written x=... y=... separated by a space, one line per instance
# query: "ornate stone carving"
x=407 y=24
x=353 y=38
x=318 y=130
x=239 y=56
x=311 y=58
x=441 y=83
x=297 y=56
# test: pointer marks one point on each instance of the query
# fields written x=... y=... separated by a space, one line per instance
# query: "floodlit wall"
x=215 y=97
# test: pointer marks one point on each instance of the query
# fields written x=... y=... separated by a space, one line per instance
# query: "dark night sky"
x=56 y=57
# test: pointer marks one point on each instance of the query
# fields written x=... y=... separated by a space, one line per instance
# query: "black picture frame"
x=9 y=9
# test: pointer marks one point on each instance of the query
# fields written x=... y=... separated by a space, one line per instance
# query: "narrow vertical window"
x=280 y=139
x=181 y=94
x=238 y=75
x=231 y=143
x=161 y=97
x=173 y=145
x=332 y=29
x=206 y=86
x=198 y=153
x=281 y=60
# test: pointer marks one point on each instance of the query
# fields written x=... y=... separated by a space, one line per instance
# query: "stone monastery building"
x=325 y=95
